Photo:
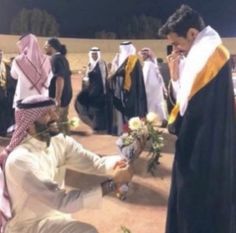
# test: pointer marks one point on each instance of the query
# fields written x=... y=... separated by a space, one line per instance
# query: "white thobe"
x=154 y=86
x=24 y=86
x=35 y=175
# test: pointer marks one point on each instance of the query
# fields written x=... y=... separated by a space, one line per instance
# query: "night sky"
x=82 y=18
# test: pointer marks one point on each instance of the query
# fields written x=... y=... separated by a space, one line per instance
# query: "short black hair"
x=181 y=21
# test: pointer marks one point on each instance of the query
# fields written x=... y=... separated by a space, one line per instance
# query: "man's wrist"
x=108 y=186
x=58 y=102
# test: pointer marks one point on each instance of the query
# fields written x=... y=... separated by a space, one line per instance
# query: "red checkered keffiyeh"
x=29 y=110
x=33 y=62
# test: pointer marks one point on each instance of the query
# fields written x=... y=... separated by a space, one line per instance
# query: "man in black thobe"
x=203 y=190
x=7 y=91
x=91 y=102
x=127 y=87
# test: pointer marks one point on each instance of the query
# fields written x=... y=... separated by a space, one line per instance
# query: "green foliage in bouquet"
x=146 y=130
x=156 y=139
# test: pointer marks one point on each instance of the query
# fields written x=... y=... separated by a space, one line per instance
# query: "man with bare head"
x=202 y=197
x=60 y=87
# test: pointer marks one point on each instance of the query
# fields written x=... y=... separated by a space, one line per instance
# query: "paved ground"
x=144 y=210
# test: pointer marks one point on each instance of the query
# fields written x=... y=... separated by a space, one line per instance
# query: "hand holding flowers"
x=142 y=132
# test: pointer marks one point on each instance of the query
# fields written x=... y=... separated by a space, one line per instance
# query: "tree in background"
x=36 y=21
x=142 y=27
x=79 y=18
x=105 y=35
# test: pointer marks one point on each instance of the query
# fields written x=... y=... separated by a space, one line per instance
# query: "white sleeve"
x=176 y=87
x=86 y=161
x=29 y=177
x=177 y=84
x=14 y=68
x=159 y=75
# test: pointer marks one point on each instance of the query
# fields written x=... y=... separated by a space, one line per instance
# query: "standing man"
x=154 y=85
x=91 y=102
x=127 y=86
x=31 y=68
x=203 y=190
x=3 y=96
x=7 y=91
x=36 y=161
x=60 y=87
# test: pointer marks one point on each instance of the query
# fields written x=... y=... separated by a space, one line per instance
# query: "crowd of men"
x=112 y=93
x=203 y=187
x=104 y=103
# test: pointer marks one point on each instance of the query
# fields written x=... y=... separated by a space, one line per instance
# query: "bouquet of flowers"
x=142 y=132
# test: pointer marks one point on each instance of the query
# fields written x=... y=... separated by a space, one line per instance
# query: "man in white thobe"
x=31 y=68
x=154 y=85
x=35 y=168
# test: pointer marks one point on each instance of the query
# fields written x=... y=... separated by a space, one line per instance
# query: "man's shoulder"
x=59 y=138
x=25 y=152
x=20 y=155
x=57 y=57
x=101 y=61
x=62 y=140
x=62 y=144
x=149 y=63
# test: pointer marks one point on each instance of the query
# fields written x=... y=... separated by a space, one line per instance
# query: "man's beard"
x=46 y=131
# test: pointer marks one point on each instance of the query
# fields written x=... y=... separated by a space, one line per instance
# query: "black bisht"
x=203 y=189
x=93 y=94
x=132 y=102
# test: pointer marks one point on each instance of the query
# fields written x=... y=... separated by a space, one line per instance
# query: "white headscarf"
x=149 y=53
x=33 y=62
x=126 y=49
x=93 y=62
x=29 y=110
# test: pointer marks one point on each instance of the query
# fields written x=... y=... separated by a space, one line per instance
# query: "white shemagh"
x=93 y=62
x=125 y=51
x=203 y=47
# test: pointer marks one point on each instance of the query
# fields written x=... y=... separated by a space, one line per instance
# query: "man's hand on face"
x=173 y=61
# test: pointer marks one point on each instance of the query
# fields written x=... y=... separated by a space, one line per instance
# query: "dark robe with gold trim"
x=203 y=190
x=127 y=89
x=91 y=102
x=7 y=116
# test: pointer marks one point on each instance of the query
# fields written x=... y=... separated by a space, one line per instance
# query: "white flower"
x=152 y=117
x=135 y=123
x=74 y=122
